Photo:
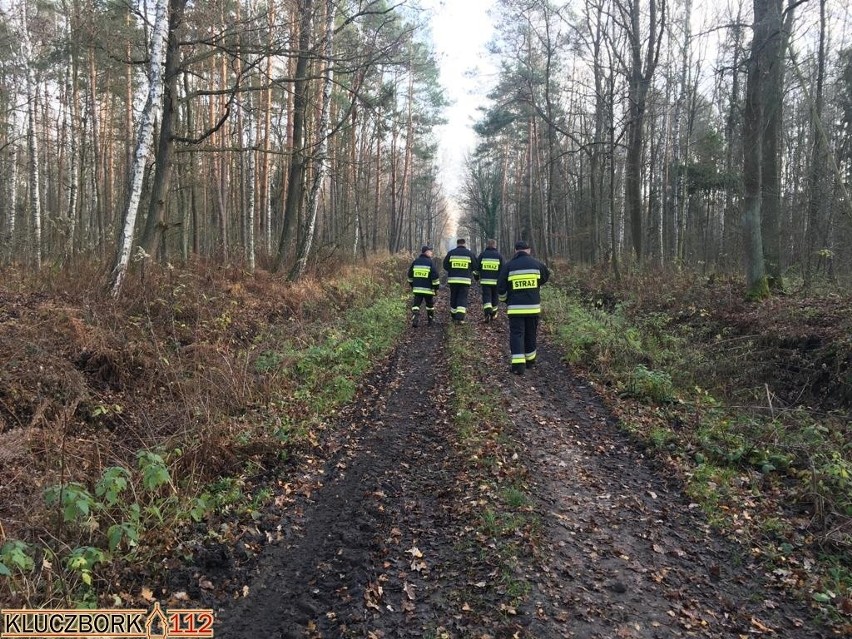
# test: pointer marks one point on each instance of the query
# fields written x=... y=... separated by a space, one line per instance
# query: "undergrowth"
x=696 y=377
x=127 y=421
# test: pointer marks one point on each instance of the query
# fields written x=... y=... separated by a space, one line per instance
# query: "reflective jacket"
x=490 y=262
x=519 y=284
x=423 y=276
x=460 y=264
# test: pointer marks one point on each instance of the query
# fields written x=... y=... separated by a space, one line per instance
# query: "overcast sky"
x=461 y=29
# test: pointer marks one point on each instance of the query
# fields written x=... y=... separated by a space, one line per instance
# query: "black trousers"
x=523 y=331
x=458 y=300
x=489 y=299
x=419 y=298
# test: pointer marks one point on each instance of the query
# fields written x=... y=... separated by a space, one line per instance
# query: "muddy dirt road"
x=389 y=542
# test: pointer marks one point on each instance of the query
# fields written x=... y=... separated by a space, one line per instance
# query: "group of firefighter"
x=516 y=283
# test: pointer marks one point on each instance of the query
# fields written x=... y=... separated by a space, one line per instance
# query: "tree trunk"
x=156 y=223
x=293 y=204
x=73 y=112
x=731 y=122
x=321 y=157
x=98 y=179
x=12 y=201
x=144 y=139
x=753 y=123
x=32 y=135
x=773 y=96
x=817 y=193
x=639 y=81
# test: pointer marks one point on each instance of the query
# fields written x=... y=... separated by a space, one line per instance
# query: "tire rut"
x=624 y=553
x=382 y=549
x=371 y=554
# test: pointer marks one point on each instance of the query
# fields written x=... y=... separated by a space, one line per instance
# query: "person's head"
x=491 y=244
x=426 y=250
x=522 y=245
x=460 y=241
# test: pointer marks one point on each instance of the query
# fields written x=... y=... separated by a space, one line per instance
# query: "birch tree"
x=321 y=157
x=32 y=132
x=144 y=140
x=12 y=198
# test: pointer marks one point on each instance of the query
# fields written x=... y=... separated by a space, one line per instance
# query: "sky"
x=461 y=30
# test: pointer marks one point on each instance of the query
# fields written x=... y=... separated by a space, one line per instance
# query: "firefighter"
x=424 y=282
x=460 y=265
x=490 y=262
x=519 y=286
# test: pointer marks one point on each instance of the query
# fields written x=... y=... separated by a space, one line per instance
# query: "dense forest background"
x=290 y=133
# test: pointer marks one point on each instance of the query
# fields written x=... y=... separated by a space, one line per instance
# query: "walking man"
x=519 y=285
x=460 y=264
x=490 y=262
x=424 y=281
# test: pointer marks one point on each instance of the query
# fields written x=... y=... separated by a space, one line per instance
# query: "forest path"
x=390 y=543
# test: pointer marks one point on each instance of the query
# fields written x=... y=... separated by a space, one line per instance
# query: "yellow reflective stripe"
x=422 y=291
x=458 y=280
x=459 y=262
x=422 y=271
x=518 y=359
x=488 y=282
x=530 y=356
x=490 y=264
x=436 y=282
x=502 y=297
x=487 y=305
x=526 y=309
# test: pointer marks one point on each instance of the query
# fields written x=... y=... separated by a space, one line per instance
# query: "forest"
x=288 y=134
x=207 y=210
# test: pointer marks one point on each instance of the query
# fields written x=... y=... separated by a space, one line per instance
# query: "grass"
x=685 y=378
x=506 y=523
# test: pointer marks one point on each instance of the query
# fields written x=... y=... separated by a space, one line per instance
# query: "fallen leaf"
x=419 y=566
x=409 y=590
x=761 y=626
x=147 y=594
x=415 y=552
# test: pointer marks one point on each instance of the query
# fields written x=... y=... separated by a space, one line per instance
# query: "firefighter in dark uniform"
x=424 y=281
x=460 y=265
x=519 y=286
x=490 y=262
